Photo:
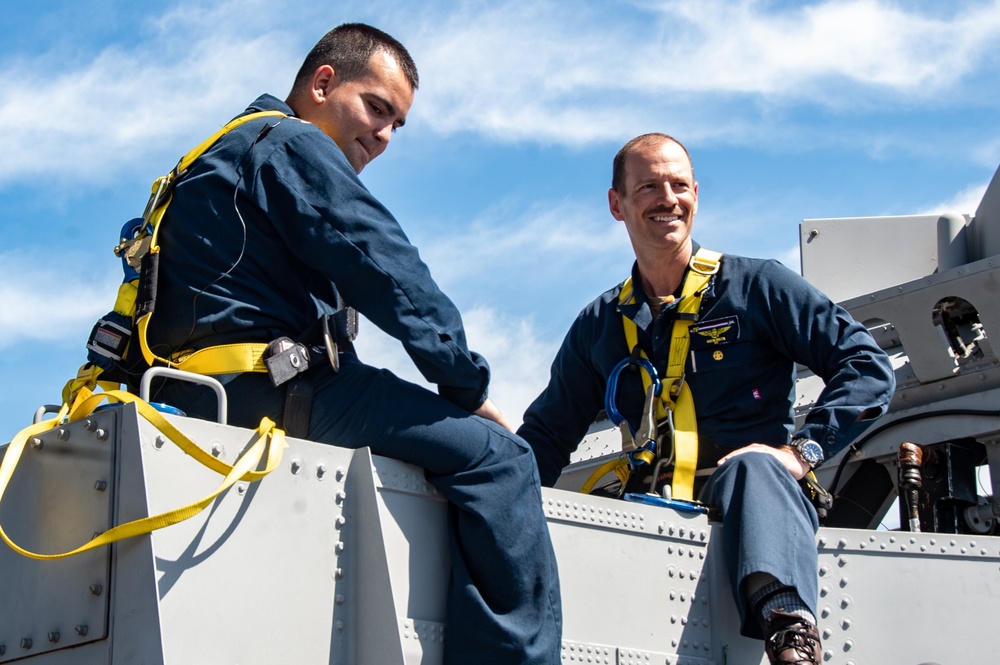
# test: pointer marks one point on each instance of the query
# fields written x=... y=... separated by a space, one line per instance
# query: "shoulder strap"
x=675 y=396
x=224 y=359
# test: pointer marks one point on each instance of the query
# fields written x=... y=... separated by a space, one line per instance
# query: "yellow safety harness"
x=79 y=400
x=673 y=405
x=269 y=438
x=222 y=359
x=225 y=358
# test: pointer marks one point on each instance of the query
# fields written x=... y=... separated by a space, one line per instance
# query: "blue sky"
x=791 y=110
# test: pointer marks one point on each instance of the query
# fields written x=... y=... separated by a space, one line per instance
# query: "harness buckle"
x=332 y=352
x=704 y=267
x=675 y=386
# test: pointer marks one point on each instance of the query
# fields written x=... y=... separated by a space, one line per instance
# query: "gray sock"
x=777 y=596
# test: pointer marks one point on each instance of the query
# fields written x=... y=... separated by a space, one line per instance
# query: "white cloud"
x=965 y=201
x=51 y=301
x=527 y=70
x=519 y=356
x=109 y=114
x=521 y=70
x=519 y=252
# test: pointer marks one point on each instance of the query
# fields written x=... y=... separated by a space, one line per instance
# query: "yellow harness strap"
x=243 y=469
x=675 y=395
x=223 y=359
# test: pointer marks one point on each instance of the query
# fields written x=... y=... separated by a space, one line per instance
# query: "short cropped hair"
x=618 y=166
x=348 y=48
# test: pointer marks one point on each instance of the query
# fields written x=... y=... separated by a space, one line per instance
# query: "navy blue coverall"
x=262 y=233
x=742 y=380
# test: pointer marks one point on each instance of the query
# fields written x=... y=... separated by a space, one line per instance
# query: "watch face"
x=811 y=452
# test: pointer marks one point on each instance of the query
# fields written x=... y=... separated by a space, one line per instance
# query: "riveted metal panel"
x=58 y=498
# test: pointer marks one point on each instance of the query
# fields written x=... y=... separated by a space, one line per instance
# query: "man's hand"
x=785 y=454
x=490 y=411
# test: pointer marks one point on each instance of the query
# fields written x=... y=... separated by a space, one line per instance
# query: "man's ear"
x=614 y=204
x=324 y=80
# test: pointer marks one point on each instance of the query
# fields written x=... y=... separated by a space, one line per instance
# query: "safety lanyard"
x=675 y=397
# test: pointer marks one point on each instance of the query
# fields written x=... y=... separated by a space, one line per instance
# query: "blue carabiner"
x=609 y=394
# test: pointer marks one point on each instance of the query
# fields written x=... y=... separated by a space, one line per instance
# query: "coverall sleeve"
x=816 y=332
x=338 y=228
x=559 y=417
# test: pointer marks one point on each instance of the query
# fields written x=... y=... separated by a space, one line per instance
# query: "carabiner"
x=614 y=415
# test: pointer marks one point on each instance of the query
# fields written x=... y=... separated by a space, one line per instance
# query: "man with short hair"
x=755 y=320
x=268 y=231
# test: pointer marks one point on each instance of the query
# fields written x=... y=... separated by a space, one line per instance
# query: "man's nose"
x=384 y=134
x=669 y=195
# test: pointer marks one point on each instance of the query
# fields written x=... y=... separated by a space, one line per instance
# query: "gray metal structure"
x=341 y=557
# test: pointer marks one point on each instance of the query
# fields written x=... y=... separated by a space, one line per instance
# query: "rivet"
x=159 y=442
x=339 y=599
x=90 y=425
x=101 y=485
x=339 y=547
x=241 y=489
x=63 y=434
x=827 y=633
x=81 y=630
x=341 y=473
x=842 y=542
x=25 y=642
x=338 y=573
x=824 y=591
x=35 y=443
x=320 y=472
x=101 y=434
x=53 y=636
x=843 y=582
x=848 y=645
x=822 y=542
x=338 y=624
x=216 y=449
x=845 y=603
x=96 y=589
x=845 y=624
x=340 y=521
x=340 y=497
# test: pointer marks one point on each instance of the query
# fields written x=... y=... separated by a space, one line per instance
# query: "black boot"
x=792 y=641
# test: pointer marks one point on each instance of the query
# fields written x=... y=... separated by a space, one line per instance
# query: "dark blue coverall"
x=743 y=384
x=263 y=231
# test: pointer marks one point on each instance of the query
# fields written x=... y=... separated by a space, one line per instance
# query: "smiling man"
x=269 y=232
x=726 y=330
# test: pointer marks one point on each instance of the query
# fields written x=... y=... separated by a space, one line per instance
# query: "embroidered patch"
x=718 y=331
x=756 y=393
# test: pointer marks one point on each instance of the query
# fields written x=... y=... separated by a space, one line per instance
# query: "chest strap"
x=675 y=400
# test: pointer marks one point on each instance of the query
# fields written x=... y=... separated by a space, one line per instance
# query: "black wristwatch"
x=810 y=451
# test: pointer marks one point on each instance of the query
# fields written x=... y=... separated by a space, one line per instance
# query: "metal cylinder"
x=952 y=249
